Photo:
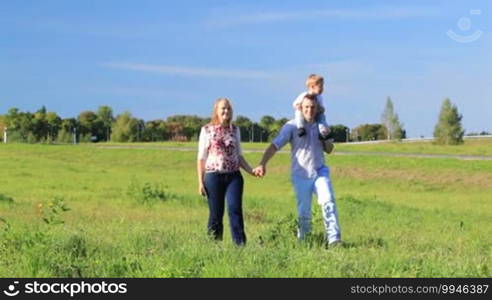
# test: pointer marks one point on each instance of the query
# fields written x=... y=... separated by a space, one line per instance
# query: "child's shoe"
x=301 y=132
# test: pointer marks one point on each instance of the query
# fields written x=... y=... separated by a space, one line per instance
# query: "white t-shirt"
x=307 y=155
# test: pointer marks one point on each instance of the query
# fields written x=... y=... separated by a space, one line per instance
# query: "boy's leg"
x=215 y=194
x=326 y=199
x=323 y=127
x=234 y=194
x=299 y=123
x=303 y=189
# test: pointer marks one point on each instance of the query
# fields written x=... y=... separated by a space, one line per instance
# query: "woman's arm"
x=244 y=164
x=201 y=160
x=200 y=167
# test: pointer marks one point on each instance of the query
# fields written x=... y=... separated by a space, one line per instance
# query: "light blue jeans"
x=320 y=185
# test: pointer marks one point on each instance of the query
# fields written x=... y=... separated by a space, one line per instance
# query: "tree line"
x=103 y=125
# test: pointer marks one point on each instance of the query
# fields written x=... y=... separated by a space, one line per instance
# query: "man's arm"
x=328 y=146
x=283 y=137
x=267 y=155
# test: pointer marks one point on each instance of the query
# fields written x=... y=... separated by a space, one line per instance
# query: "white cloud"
x=381 y=13
x=338 y=74
x=191 y=71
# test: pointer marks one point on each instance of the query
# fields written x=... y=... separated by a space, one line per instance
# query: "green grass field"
x=474 y=147
x=471 y=147
x=136 y=213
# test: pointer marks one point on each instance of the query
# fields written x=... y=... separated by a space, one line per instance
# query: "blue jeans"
x=221 y=187
x=320 y=185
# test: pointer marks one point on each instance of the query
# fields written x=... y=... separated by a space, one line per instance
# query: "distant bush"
x=148 y=193
x=5 y=198
x=52 y=211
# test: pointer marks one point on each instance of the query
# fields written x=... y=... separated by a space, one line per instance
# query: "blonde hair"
x=215 y=117
x=314 y=79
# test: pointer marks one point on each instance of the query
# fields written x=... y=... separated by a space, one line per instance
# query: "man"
x=309 y=172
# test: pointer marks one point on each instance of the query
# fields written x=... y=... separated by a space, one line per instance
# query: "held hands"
x=256 y=172
x=259 y=171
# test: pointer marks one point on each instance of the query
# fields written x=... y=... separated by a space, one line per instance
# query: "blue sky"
x=159 y=58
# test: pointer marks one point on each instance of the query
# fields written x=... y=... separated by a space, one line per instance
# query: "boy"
x=314 y=84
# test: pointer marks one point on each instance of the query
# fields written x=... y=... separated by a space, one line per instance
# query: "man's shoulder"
x=287 y=129
x=289 y=125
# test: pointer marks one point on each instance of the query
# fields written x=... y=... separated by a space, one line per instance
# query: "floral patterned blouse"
x=220 y=147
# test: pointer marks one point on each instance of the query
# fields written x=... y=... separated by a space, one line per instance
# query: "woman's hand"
x=259 y=171
x=253 y=173
x=200 y=167
x=201 y=190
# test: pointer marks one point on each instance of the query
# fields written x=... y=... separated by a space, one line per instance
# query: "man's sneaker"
x=334 y=244
x=301 y=132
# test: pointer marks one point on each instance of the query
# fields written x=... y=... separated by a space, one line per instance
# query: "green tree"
x=54 y=124
x=275 y=128
x=176 y=131
x=39 y=128
x=244 y=125
x=140 y=130
x=191 y=125
x=339 y=133
x=448 y=129
x=267 y=121
x=19 y=125
x=268 y=127
x=91 y=128
x=105 y=115
x=155 y=130
x=125 y=128
x=3 y=124
x=281 y=122
x=258 y=134
x=391 y=121
x=369 y=132
x=65 y=135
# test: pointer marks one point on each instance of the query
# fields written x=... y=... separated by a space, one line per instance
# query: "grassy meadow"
x=88 y=211
x=471 y=147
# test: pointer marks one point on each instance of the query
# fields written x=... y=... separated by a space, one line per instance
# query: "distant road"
x=417 y=140
x=463 y=157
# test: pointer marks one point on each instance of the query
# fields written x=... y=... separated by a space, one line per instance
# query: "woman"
x=219 y=160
